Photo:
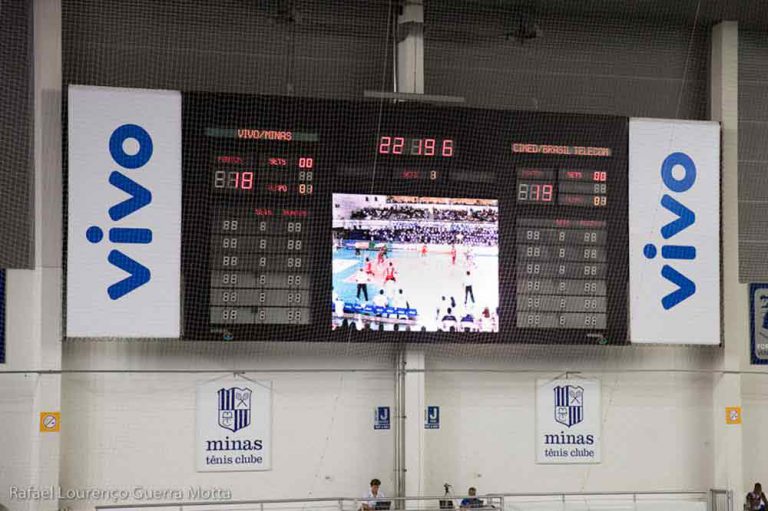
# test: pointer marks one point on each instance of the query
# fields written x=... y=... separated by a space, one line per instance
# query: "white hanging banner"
x=674 y=231
x=234 y=425
x=568 y=421
x=124 y=214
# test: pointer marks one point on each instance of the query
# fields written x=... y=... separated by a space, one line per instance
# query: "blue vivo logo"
x=139 y=198
x=684 y=219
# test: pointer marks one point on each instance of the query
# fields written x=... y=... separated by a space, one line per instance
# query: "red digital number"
x=599 y=176
x=447 y=148
x=384 y=144
x=306 y=162
x=416 y=146
x=246 y=181
x=429 y=147
x=397 y=145
x=546 y=193
x=535 y=192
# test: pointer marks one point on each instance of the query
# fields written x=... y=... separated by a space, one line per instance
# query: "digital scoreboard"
x=260 y=272
x=310 y=219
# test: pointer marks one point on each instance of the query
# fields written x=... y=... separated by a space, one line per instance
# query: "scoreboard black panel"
x=308 y=219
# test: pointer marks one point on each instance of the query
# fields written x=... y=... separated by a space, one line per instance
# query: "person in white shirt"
x=338 y=304
x=372 y=497
x=400 y=302
x=468 y=293
x=380 y=300
x=362 y=284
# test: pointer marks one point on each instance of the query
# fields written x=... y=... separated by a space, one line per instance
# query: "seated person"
x=338 y=304
x=373 y=499
x=486 y=321
x=380 y=300
x=468 y=322
x=400 y=302
x=756 y=500
x=449 y=320
x=471 y=501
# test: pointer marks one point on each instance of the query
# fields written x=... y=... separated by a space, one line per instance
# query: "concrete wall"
x=138 y=429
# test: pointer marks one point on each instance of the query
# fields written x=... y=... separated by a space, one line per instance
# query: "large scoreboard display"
x=331 y=220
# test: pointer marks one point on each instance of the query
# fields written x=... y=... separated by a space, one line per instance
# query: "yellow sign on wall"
x=733 y=415
x=50 y=422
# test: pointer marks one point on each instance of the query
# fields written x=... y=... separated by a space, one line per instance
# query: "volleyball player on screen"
x=381 y=255
x=470 y=258
x=368 y=267
x=390 y=280
x=390 y=273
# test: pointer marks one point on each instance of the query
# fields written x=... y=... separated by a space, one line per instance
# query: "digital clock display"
x=393 y=145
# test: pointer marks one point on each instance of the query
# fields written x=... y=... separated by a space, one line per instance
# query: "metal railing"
x=712 y=500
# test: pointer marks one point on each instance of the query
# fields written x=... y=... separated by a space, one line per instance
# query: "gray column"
x=415 y=402
x=410 y=48
x=410 y=79
x=724 y=95
x=33 y=321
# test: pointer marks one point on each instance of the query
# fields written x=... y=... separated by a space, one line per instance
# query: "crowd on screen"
x=413 y=213
x=466 y=215
x=393 y=213
x=417 y=233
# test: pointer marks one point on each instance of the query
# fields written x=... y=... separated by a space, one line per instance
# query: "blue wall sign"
x=2 y=316
x=432 y=420
x=382 y=418
x=758 y=323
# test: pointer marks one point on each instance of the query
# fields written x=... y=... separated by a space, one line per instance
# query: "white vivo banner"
x=674 y=231
x=124 y=238
x=568 y=421
x=234 y=425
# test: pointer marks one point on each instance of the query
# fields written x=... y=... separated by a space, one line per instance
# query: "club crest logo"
x=234 y=408
x=569 y=404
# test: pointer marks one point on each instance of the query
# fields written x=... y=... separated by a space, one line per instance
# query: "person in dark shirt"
x=756 y=500
x=449 y=316
x=471 y=501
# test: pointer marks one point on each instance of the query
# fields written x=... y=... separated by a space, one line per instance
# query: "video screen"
x=403 y=263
